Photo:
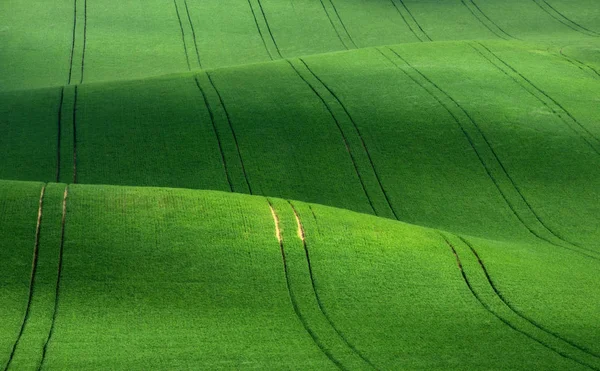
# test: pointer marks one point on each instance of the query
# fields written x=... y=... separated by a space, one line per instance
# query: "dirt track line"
x=36 y=248
x=269 y=28
x=237 y=146
x=302 y=236
x=75 y=136
x=73 y=42
x=405 y=21
x=262 y=37
x=58 y=277
x=291 y=294
x=564 y=19
x=478 y=10
x=479 y=155
x=516 y=187
x=84 y=40
x=552 y=100
x=214 y=127
x=518 y=312
x=342 y=23
x=503 y=320
x=344 y=139
x=413 y=19
x=187 y=57
x=360 y=136
x=582 y=65
x=333 y=25
x=59 y=130
x=491 y=21
x=189 y=17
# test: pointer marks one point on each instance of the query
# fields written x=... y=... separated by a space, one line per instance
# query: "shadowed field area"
x=303 y=184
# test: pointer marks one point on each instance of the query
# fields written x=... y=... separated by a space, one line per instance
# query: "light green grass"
x=300 y=184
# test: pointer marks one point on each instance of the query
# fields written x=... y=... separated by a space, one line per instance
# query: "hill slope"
x=144 y=277
x=304 y=184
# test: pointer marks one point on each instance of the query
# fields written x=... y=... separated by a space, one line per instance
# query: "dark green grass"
x=478 y=119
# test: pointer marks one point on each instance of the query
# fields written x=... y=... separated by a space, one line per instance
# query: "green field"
x=300 y=184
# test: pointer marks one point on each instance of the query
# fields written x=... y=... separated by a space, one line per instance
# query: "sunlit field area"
x=300 y=184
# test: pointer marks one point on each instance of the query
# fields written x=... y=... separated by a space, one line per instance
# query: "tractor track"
x=73 y=42
x=360 y=136
x=413 y=19
x=291 y=293
x=582 y=65
x=36 y=248
x=187 y=57
x=58 y=279
x=269 y=28
x=482 y=161
x=500 y=33
x=333 y=25
x=518 y=312
x=84 y=40
x=214 y=127
x=59 y=130
x=189 y=17
x=235 y=140
x=302 y=235
x=537 y=216
x=552 y=100
x=345 y=140
x=262 y=37
x=503 y=320
x=337 y=14
x=558 y=16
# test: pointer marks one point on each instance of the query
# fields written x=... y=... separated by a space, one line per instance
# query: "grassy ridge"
x=352 y=184
x=222 y=287
x=524 y=146
x=104 y=41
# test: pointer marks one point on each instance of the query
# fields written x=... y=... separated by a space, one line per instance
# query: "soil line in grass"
x=337 y=14
x=333 y=25
x=501 y=318
x=399 y=11
x=581 y=65
x=518 y=312
x=58 y=278
x=75 y=135
x=360 y=136
x=36 y=247
x=291 y=293
x=343 y=135
x=235 y=139
x=503 y=171
x=302 y=236
x=187 y=57
x=189 y=17
x=59 y=132
x=560 y=17
x=476 y=11
x=592 y=141
x=216 y=132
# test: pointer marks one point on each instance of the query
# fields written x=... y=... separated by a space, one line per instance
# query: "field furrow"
x=29 y=349
x=551 y=11
x=485 y=20
x=477 y=278
x=493 y=304
x=300 y=185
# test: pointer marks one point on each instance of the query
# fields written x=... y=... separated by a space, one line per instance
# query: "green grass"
x=304 y=184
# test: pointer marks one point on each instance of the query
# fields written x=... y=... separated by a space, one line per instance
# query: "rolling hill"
x=302 y=184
